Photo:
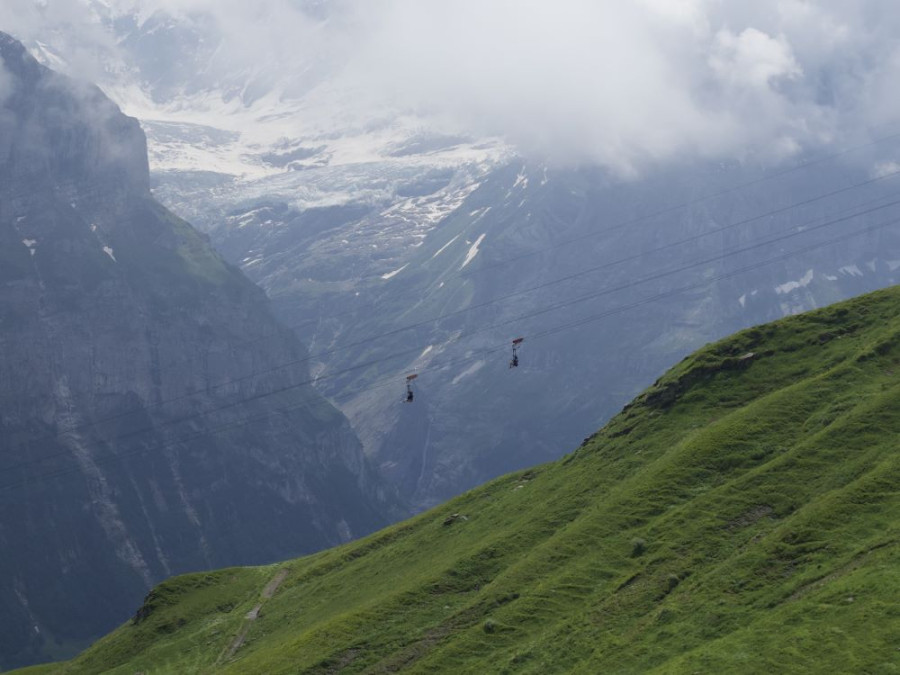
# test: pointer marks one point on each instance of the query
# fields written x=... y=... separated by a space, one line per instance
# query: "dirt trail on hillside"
x=253 y=615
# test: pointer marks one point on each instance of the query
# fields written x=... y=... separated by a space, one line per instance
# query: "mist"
x=630 y=84
x=624 y=85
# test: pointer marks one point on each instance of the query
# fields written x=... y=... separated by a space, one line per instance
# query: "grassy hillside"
x=741 y=515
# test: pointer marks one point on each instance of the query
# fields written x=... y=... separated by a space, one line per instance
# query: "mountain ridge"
x=135 y=438
x=738 y=516
x=373 y=215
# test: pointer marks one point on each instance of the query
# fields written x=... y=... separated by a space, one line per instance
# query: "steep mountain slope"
x=534 y=252
x=740 y=515
x=358 y=221
x=148 y=425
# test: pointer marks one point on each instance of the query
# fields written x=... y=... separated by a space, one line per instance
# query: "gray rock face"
x=607 y=281
x=149 y=424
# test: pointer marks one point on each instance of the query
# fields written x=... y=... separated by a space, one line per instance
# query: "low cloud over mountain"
x=624 y=85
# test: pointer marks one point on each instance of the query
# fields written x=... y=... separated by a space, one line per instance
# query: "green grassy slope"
x=741 y=515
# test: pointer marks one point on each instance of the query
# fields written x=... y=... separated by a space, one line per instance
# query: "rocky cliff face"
x=587 y=268
x=149 y=424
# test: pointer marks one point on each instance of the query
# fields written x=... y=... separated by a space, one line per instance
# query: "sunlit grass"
x=741 y=515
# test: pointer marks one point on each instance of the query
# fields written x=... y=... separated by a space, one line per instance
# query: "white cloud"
x=77 y=33
x=622 y=83
x=752 y=59
x=578 y=80
x=627 y=84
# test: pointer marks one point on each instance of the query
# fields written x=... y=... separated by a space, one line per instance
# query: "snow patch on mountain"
x=444 y=247
x=522 y=180
x=473 y=251
x=803 y=282
x=391 y=275
x=471 y=370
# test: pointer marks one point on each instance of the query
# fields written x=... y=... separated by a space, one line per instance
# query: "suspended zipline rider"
x=514 y=361
x=409 y=389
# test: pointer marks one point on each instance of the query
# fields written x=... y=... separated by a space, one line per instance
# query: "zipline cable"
x=434 y=320
x=547 y=309
x=538 y=335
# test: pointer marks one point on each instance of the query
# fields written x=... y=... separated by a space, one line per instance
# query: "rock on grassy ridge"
x=741 y=515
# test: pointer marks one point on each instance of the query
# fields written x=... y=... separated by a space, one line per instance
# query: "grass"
x=741 y=515
x=166 y=255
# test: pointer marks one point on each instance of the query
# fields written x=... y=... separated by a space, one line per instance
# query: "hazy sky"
x=616 y=82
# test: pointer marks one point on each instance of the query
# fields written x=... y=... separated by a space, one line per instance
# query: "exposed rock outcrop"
x=148 y=422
